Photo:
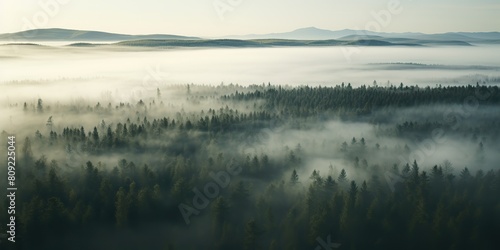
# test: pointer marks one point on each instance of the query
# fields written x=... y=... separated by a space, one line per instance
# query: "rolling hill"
x=301 y=37
x=313 y=33
x=80 y=35
x=255 y=43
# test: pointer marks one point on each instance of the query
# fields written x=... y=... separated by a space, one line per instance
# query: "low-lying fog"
x=92 y=115
x=292 y=66
x=84 y=76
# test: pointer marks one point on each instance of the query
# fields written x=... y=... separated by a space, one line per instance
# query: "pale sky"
x=238 y=17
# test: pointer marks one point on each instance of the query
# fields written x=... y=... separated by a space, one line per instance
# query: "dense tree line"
x=305 y=101
x=416 y=210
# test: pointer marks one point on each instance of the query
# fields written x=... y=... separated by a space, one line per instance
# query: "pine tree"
x=39 y=106
x=27 y=153
x=343 y=147
x=122 y=208
x=342 y=176
x=95 y=135
x=294 y=178
x=219 y=214
x=251 y=234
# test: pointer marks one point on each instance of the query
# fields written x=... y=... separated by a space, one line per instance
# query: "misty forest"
x=267 y=166
x=250 y=125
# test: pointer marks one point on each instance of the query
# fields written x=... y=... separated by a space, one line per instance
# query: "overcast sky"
x=236 y=17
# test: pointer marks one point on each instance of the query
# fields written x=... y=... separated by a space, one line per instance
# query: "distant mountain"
x=80 y=35
x=301 y=37
x=237 y=43
x=312 y=33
